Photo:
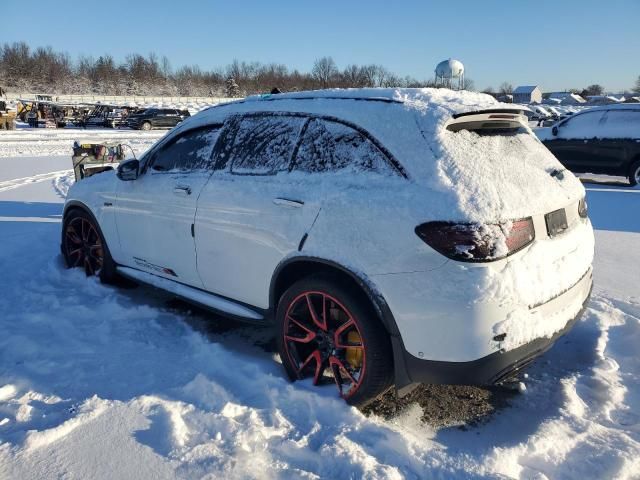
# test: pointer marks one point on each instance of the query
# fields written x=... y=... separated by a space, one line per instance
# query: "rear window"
x=621 y=124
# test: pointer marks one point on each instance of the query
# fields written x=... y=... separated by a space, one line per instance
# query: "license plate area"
x=556 y=222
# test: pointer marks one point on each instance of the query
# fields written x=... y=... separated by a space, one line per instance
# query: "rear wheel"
x=83 y=246
x=328 y=332
x=145 y=126
x=634 y=174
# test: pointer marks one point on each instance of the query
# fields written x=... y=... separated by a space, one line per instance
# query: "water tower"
x=450 y=74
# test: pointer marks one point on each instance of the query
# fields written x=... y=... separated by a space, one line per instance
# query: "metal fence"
x=122 y=99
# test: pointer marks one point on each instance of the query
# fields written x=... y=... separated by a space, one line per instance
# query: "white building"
x=527 y=94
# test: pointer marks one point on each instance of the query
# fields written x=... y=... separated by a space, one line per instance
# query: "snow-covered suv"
x=392 y=236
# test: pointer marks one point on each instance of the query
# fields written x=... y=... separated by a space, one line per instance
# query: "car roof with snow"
x=441 y=104
x=397 y=117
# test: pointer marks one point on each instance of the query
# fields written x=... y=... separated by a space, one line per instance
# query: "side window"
x=621 y=124
x=260 y=145
x=330 y=146
x=190 y=151
x=583 y=125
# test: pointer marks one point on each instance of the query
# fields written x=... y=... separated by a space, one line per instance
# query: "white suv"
x=394 y=237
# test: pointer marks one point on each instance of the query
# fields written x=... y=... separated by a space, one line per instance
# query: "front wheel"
x=146 y=126
x=634 y=174
x=83 y=246
x=327 y=331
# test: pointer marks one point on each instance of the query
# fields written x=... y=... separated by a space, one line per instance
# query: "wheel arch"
x=296 y=268
x=69 y=207
x=77 y=205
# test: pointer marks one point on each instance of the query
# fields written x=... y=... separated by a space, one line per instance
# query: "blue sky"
x=556 y=44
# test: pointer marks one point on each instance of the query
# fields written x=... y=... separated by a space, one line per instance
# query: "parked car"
x=157 y=118
x=385 y=233
x=603 y=140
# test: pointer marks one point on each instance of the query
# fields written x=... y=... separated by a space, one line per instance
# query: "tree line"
x=44 y=70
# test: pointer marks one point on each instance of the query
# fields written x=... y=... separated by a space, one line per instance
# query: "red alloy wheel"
x=83 y=246
x=319 y=334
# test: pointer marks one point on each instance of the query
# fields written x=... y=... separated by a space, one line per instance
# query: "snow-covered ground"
x=45 y=141
x=105 y=382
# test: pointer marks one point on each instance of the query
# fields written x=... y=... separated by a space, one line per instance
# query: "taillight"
x=474 y=242
x=583 y=210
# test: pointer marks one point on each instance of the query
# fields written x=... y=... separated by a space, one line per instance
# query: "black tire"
x=634 y=174
x=105 y=269
x=145 y=126
x=373 y=369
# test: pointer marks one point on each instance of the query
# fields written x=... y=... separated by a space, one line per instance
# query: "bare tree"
x=592 y=90
x=324 y=71
x=636 y=87
x=505 y=88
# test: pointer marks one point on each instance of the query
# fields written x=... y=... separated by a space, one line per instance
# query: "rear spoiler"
x=496 y=119
x=514 y=111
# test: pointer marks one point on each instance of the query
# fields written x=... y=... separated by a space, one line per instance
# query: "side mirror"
x=128 y=170
x=554 y=130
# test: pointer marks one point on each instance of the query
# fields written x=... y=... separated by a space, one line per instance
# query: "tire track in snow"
x=21 y=182
x=61 y=183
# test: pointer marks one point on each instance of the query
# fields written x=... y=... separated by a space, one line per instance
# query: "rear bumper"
x=490 y=369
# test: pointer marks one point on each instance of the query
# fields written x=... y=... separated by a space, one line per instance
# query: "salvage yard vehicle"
x=602 y=140
x=157 y=118
x=385 y=233
x=38 y=113
x=107 y=116
x=7 y=116
x=91 y=158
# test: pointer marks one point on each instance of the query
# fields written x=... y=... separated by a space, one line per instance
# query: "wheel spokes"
x=79 y=260
x=349 y=324
x=340 y=372
x=317 y=357
x=84 y=246
x=320 y=322
x=88 y=268
x=72 y=235
x=324 y=335
x=83 y=231
x=310 y=335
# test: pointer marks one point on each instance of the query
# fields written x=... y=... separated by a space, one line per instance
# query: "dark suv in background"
x=602 y=140
x=157 y=118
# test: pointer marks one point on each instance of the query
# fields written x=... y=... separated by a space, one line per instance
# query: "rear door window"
x=584 y=125
x=261 y=144
x=621 y=124
x=328 y=146
x=190 y=151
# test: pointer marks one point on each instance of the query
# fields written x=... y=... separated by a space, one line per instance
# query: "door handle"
x=182 y=190
x=288 y=202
